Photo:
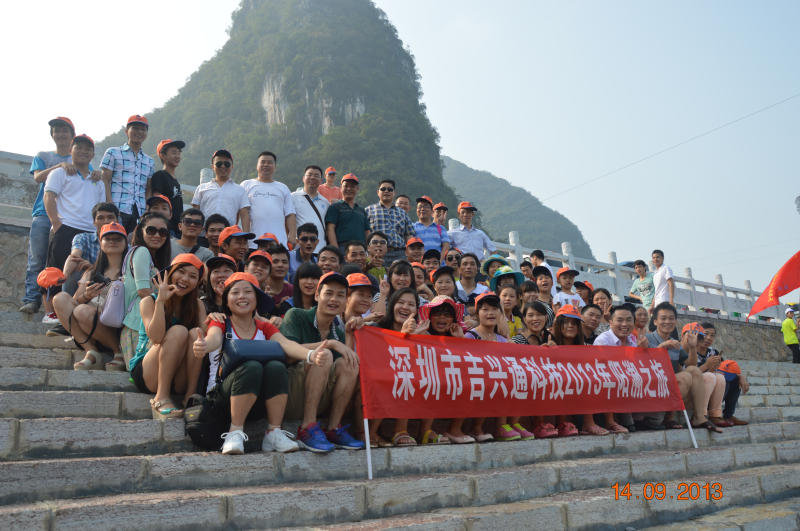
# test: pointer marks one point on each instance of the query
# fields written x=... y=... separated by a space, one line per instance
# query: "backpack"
x=206 y=420
x=113 y=312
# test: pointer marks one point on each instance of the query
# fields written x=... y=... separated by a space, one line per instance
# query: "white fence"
x=617 y=279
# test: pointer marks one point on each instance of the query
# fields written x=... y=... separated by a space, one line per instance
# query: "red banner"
x=421 y=376
x=785 y=281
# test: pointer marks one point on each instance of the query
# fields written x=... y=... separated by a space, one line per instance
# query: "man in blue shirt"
x=391 y=220
x=468 y=238
x=434 y=236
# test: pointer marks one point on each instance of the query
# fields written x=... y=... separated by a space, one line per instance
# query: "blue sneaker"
x=313 y=439
x=342 y=439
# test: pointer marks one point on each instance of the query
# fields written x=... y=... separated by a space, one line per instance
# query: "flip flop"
x=709 y=426
x=617 y=428
x=403 y=436
x=673 y=425
x=594 y=430
x=431 y=437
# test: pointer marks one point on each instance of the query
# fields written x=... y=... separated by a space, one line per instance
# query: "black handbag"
x=206 y=420
x=234 y=352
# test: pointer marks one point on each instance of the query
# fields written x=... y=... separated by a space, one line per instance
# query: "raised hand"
x=165 y=289
x=219 y=289
x=691 y=338
x=423 y=326
x=410 y=326
x=355 y=323
x=199 y=347
x=456 y=330
x=384 y=287
x=321 y=354
x=642 y=342
x=374 y=316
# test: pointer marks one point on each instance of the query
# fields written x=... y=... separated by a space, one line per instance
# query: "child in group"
x=544 y=279
x=527 y=292
x=566 y=279
x=444 y=283
x=584 y=290
x=508 y=299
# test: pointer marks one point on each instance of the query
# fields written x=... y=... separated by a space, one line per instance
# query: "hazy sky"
x=544 y=94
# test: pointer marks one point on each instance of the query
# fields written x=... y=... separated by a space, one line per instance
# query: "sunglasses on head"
x=151 y=231
x=189 y=222
x=221 y=163
x=386 y=189
x=306 y=239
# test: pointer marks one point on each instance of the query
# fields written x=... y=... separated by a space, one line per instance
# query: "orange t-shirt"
x=331 y=193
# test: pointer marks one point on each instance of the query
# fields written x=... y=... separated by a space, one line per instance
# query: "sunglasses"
x=453 y=258
x=189 y=222
x=225 y=163
x=376 y=241
x=386 y=189
x=306 y=239
x=151 y=231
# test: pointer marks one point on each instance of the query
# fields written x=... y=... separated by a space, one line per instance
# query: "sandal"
x=86 y=364
x=431 y=437
x=567 y=429
x=617 y=428
x=595 y=430
x=459 y=439
x=402 y=438
x=673 y=425
x=166 y=413
x=379 y=442
x=709 y=426
x=545 y=431
x=117 y=364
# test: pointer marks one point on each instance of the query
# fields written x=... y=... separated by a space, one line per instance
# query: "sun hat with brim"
x=426 y=309
x=541 y=270
x=442 y=271
x=234 y=232
x=505 y=271
x=584 y=283
x=492 y=258
x=729 y=369
x=360 y=280
x=112 y=228
x=221 y=258
x=432 y=253
x=569 y=310
x=264 y=303
x=567 y=270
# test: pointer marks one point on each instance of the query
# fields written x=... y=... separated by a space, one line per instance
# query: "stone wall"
x=13 y=261
x=16 y=183
x=745 y=341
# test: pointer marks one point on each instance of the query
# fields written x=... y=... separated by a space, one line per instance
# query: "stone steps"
x=24 y=327
x=776 y=516
x=79 y=404
x=36 y=379
x=519 y=496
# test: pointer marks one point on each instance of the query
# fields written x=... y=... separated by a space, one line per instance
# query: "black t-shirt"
x=165 y=184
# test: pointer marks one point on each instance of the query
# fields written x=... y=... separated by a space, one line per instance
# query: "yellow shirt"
x=789 y=331
x=514 y=326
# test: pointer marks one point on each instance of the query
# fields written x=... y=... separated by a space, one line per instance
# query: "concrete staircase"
x=79 y=450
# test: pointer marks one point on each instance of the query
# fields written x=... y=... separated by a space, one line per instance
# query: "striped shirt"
x=431 y=236
x=131 y=171
x=88 y=244
x=392 y=221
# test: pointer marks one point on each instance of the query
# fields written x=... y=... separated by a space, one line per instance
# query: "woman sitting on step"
x=252 y=391
x=164 y=357
x=79 y=313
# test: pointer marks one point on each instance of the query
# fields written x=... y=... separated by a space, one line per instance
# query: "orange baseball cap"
x=59 y=120
x=486 y=295
x=115 y=228
x=85 y=138
x=414 y=241
x=466 y=205
x=137 y=119
x=440 y=206
x=693 y=326
x=585 y=283
x=417 y=264
x=260 y=254
x=350 y=177
x=50 y=276
x=264 y=303
x=730 y=366
x=359 y=280
x=330 y=170
x=266 y=237
x=188 y=258
x=169 y=143
x=157 y=197
x=567 y=270
x=230 y=232
x=221 y=258
x=426 y=199
x=333 y=276
x=569 y=310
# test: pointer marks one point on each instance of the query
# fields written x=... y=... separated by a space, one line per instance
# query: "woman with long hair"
x=602 y=298
x=164 y=358
x=534 y=316
x=400 y=314
x=306 y=279
x=399 y=276
x=218 y=270
x=79 y=313
x=252 y=391
x=151 y=252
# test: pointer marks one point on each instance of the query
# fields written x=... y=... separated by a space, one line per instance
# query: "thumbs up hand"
x=199 y=346
x=321 y=354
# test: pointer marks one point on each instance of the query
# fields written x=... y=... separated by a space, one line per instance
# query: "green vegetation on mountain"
x=507 y=208
x=325 y=82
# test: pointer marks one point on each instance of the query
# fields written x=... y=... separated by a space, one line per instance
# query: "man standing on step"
x=346 y=220
x=434 y=236
x=127 y=171
x=329 y=190
x=221 y=195
x=271 y=206
x=391 y=220
x=663 y=284
x=468 y=238
x=310 y=206
x=791 y=334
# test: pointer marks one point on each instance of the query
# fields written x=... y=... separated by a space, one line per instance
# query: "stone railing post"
x=617 y=274
x=566 y=249
x=515 y=258
x=722 y=291
x=651 y=266
x=751 y=297
x=687 y=271
x=454 y=223
x=206 y=175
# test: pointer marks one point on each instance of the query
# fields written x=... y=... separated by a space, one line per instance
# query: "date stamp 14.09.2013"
x=659 y=491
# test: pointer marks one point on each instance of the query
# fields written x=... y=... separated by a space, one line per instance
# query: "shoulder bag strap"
x=311 y=202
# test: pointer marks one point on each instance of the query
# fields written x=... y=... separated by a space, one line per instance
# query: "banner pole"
x=688 y=423
x=369 y=451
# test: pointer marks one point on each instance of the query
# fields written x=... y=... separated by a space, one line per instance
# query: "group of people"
x=306 y=269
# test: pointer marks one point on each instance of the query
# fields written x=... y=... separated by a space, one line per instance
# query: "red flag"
x=785 y=281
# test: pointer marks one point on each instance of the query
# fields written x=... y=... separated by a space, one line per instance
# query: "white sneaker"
x=234 y=442
x=279 y=440
x=50 y=318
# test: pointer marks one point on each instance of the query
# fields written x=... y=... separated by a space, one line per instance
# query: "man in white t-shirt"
x=308 y=196
x=271 y=206
x=664 y=285
x=221 y=195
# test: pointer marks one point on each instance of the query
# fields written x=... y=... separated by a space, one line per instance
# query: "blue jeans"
x=37 y=258
x=731 y=397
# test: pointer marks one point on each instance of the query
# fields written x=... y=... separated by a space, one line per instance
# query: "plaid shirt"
x=392 y=221
x=131 y=172
x=88 y=244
